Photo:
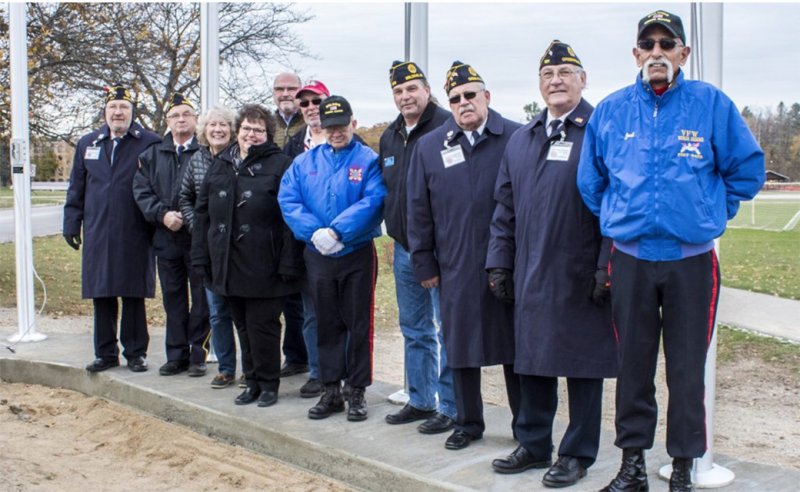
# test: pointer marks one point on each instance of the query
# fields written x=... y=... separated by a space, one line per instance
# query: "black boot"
x=681 y=478
x=330 y=402
x=632 y=476
x=357 y=410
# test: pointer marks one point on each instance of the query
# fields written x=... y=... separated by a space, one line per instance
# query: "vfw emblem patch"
x=690 y=144
x=355 y=174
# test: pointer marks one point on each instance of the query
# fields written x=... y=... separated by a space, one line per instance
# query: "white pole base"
x=29 y=337
x=398 y=398
x=713 y=478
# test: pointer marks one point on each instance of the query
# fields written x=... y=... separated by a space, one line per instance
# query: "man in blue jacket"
x=332 y=198
x=665 y=163
x=450 y=184
x=546 y=256
x=117 y=258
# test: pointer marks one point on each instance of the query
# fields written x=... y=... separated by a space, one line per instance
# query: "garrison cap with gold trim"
x=177 y=100
x=459 y=74
x=402 y=72
x=670 y=22
x=117 y=92
x=559 y=53
x=335 y=111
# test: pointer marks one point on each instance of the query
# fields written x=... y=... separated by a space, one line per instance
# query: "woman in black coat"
x=247 y=252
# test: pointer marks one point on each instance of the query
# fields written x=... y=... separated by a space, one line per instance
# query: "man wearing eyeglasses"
x=546 y=256
x=665 y=163
x=288 y=120
x=156 y=187
x=450 y=183
x=427 y=373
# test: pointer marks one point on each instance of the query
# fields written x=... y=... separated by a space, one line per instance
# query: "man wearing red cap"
x=665 y=163
x=117 y=258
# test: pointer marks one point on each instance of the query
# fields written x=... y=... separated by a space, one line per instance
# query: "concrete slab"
x=762 y=313
x=370 y=455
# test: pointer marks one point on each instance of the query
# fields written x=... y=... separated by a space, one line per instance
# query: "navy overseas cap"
x=117 y=92
x=670 y=22
x=177 y=100
x=559 y=53
x=460 y=73
x=335 y=111
x=402 y=72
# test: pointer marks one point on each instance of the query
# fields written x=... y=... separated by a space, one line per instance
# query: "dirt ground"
x=58 y=438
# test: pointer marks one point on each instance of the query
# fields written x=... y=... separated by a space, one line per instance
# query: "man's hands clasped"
x=326 y=242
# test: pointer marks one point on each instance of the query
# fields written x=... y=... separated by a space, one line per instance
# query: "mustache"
x=464 y=109
x=662 y=60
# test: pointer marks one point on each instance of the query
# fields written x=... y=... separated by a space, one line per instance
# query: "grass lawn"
x=38 y=197
x=735 y=344
x=762 y=261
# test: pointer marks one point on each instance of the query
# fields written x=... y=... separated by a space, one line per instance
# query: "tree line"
x=778 y=132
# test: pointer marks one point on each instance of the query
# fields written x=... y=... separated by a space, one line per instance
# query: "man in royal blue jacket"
x=332 y=198
x=665 y=163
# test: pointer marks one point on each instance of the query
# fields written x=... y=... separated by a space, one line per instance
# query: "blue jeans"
x=310 y=334
x=222 y=339
x=427 y=373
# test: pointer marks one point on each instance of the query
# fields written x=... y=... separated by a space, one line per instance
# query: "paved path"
x=369 y=455
x=761 y=313
x=45 y=221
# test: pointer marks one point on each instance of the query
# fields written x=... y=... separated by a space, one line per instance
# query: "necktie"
x=556 y=127
x=115 y=141
x=181 y=148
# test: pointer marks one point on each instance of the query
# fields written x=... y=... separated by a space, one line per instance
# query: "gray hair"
x=219 y=111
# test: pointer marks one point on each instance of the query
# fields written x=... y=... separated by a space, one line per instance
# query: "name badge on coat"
x=92 y=153
x=559 y=151
x=452 y=156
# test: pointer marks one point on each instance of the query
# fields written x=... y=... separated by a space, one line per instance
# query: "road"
x=45 y=221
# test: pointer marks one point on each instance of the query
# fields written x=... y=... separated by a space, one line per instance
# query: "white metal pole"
x=209 y=55
x=418 y=42
x=706 y=473
x=209 y=77
x=21 y=175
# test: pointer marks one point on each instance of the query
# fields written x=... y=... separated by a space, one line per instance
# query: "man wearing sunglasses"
x=427 y=374
x=547 y=256
x=665 y=163
x=450 y=185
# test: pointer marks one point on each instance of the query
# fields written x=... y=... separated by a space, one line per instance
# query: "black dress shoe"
x=519 y=461
x=460 y=440
x=409 y=414
x=248 y=396
x=197 y=370
x=267 y=399
x=331 y=402
x=290 y=369
x=437 y=424
x=100 y=365
x=137 y=364
x=566 y=471
x=312 y=389
x=173 y=367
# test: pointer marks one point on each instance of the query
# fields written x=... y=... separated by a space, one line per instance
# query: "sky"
x=355 y=43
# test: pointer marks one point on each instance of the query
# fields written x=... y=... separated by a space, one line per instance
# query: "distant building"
x=59 y=150
x=776 y=177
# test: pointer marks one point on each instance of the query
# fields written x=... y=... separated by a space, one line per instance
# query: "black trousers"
x=258 y=324
x=132 y=328
x=294 y=345
x=538 y=406
x=469 y=402
x=343 y=292
x=188 y=328
x=676 y=300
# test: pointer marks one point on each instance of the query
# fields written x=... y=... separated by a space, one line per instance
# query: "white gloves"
x=323 y=240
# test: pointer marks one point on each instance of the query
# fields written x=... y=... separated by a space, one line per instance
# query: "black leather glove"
x=501 y=283
x=601 y=288
x=73 y=240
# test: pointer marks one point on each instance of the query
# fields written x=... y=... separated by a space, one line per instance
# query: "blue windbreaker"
x=340 y=189
x=668 y=172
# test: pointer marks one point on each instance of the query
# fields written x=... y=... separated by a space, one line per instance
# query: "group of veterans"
x=567 y=247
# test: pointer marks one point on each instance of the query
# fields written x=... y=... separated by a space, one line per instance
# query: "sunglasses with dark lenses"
x=665 y=43
x=468 y=96
x=305 y=102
